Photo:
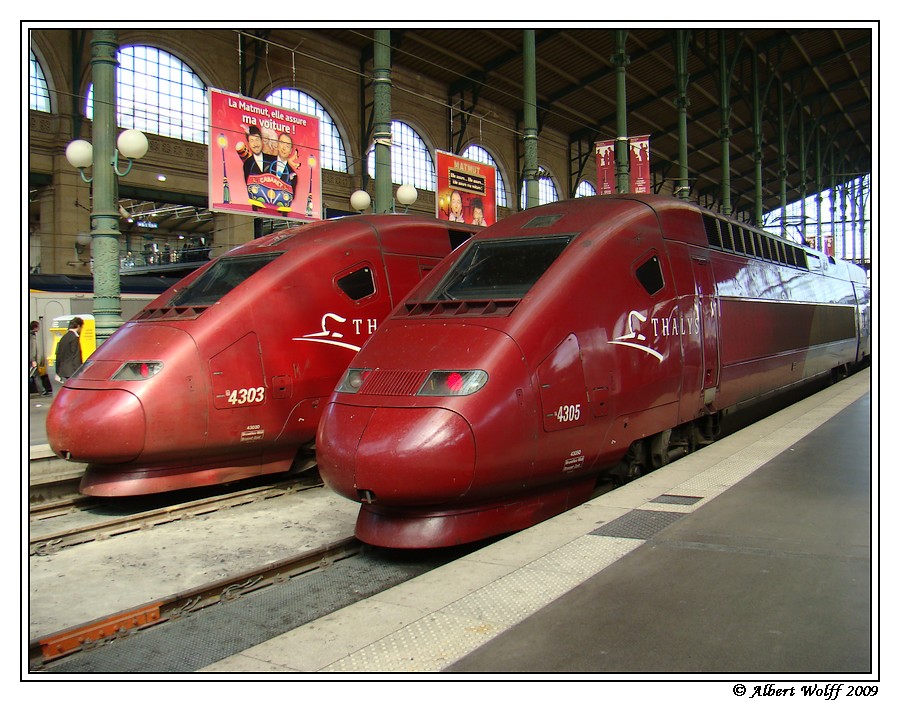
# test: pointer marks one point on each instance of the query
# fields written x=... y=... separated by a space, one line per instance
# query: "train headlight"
x=353 y=380
x=138 y=370
x=441 y=383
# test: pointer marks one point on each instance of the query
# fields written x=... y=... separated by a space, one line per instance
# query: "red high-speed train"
x=592 y=335
x=224 y=375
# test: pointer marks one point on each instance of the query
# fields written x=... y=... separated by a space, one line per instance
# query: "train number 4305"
x=246 y=396
x=568 y=413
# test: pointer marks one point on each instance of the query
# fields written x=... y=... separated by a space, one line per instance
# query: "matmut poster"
x=639 y=165
x=466 y=190
x=263 y=159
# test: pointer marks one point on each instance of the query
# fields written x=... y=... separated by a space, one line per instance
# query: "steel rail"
x=50 y=543
x=51 y=647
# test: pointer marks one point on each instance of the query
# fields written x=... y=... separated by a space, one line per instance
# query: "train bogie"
x=224 y=376
x=595 y=336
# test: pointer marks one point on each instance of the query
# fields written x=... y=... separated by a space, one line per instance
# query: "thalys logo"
x=662 y=327
x=329 y=334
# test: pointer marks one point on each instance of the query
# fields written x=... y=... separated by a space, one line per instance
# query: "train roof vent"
x=169 y=313
x=459 y=308
x=711 y=224
x=542 y=221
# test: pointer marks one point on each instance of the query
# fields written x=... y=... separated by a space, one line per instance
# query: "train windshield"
x=220 y=278
x=500 y=269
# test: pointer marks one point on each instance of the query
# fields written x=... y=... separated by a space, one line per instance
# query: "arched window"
x=411 y=161
x=546 y=191
x=38 y=92
x=158 y=94
x=476 y=153
x=585 y=189
x=333 y=157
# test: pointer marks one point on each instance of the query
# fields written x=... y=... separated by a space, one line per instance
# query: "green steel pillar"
x=104 y=209
x=621 y=60
x=530 y=170
x=802 y=177
x=683 y=190
x=855 y=187
x=819 y=188
x=834 y=193
x=757 y=149
x=782 y=158
x=725 y=130
x=842 y=189
x=381 y=134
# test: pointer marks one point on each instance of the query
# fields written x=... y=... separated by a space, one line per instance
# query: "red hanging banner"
x=606 y=166
x=639 y=165
x=639 y=150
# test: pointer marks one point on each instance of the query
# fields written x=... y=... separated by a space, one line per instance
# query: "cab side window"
x=649 y=275
x=358 y=284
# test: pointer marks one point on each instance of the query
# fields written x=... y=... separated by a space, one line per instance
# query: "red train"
x=586 y=336
x=224 y=375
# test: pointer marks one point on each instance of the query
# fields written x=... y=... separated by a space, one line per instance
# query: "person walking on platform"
x=68 y=351
x=36 y=367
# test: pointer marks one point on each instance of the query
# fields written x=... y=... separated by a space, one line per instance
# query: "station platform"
x=752 y=556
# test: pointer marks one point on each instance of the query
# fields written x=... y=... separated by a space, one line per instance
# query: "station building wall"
x=319 y=66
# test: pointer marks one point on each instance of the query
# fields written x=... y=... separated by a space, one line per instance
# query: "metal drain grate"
x=638 y=524
x=676 y=500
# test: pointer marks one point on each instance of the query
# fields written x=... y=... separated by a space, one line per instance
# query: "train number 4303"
x=246 y=396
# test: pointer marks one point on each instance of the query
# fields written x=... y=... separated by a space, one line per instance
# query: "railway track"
x=42 y=542
x=103 y=630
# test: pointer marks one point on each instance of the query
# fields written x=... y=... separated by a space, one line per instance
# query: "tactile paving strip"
x=436 y=640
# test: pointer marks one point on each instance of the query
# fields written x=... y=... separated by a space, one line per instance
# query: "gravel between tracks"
x=91 y=580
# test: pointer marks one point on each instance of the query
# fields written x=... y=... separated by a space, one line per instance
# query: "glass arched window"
x=38 y=92
x=476 y=153
x=546 y=191
x=333 y=157
x=411 y=161
x=585 y=189
x=158 y=94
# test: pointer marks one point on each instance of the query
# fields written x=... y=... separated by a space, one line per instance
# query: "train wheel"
x=670 y=445
x=631 y=467
x=659 y=448
x=706 y=430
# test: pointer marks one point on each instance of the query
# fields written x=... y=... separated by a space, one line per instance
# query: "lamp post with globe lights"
x=104 y=155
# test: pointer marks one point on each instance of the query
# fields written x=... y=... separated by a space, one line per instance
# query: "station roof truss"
x=816 y=80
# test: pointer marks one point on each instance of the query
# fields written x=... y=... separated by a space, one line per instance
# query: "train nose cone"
x=396 y=455
x=91 y=426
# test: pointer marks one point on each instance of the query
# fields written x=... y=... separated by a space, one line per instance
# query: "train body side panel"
x=779 y=325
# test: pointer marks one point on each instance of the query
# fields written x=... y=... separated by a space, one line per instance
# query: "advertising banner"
x=606 y=166
x=263 y=159
x=639 y=148
x=639 y=165
x=466 y=190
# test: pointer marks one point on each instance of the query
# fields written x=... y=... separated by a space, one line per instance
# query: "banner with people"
x=263 y=159
x=605 y=153
x=639 y=149
x=639 y=165
x=466 y=190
